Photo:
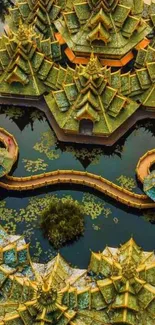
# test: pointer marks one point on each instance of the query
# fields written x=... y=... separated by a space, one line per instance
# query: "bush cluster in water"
x=63 y=221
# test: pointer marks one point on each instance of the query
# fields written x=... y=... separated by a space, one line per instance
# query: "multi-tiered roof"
x=112 y=29
x=40 y=14
x=97 y=94
x=25 y=64
x=93 y=96
x=117 y=288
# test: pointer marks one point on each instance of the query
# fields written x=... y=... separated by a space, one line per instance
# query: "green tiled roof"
x=40 y=14
x=86 y=23
x=120 y=280
x=25 y=69
x=92 y=97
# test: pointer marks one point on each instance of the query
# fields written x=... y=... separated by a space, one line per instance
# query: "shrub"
x=63 y=221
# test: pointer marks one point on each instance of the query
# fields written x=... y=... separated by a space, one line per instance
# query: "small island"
x=63 y=221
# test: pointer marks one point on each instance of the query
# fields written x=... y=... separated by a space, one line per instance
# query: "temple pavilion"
x=111 y=29
x=94 y=98
x=117 y=288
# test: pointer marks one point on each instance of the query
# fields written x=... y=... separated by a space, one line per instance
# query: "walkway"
x=74 y=177
x=13 y=147
x=144 y=164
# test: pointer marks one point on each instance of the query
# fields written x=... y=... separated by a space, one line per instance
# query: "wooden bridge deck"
x=144 y=164
x=77 y=177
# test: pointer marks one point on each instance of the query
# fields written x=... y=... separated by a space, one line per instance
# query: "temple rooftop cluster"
x=109 y=80
x=118 y=287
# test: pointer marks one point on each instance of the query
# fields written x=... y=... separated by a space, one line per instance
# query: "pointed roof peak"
x=24 y=32
x=93 y=67
x=130 y=242
x=107 y=5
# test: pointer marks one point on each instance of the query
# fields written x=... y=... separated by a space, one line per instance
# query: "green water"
x=121 y=159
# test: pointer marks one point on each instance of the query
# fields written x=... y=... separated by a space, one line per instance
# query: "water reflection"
x=29 y=127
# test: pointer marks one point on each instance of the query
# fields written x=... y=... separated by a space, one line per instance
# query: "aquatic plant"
x=34 y=165
x=28 y=218
x=93 y=207
x=96 y=227
x=126 y=182
x=47 y=141
x=62 y=221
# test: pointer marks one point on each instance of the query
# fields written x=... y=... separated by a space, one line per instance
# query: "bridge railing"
x=9 y=135
x=141 y=161
x=58 y=177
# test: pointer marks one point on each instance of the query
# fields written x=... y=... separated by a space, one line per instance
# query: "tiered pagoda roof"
x=110 y=28
x=145 y=61
x=117 y=288
x=24 y=68
x=128 y=285
x=41 y=14
x=97 y=95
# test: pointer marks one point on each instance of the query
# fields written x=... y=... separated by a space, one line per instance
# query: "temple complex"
x=118 y=287
x=84 y=71
x=95 y=97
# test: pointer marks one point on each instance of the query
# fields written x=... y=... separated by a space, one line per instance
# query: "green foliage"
x=45 y=145
x=96 y=227
x=27 y=220
x=93 y=207
x=34 y=165
x=63 y=221
x=126 y=182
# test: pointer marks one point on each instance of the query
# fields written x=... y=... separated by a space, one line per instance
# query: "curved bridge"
x=77 y=177
x=13 y=146
x=144 y=164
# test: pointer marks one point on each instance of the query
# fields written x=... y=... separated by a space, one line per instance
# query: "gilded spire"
x=24 y=33
x=93 y=69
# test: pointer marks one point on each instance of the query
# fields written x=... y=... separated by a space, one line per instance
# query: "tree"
x=63 y=221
